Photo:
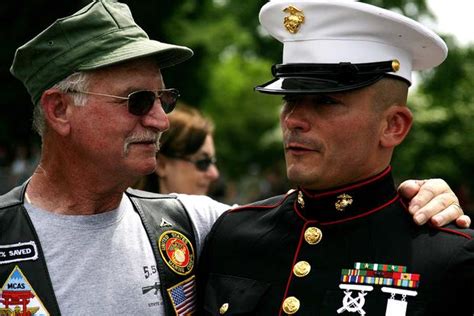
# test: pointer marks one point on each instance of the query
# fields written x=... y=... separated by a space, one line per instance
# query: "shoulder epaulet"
x=454 y=230
x=271 y=202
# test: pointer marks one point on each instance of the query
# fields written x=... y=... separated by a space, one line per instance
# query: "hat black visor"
x=323 y=78
x=311 y=85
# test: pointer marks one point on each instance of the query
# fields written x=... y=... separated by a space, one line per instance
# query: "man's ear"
x=398 y=121
x=55 y=104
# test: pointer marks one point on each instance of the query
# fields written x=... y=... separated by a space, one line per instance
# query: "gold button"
x=291 y=305
x=301 y=269
x=395 y=65
x=313 y=235
x=224 y=308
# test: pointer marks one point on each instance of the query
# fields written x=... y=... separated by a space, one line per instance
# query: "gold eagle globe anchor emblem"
x=294 y=20
x=344 y=200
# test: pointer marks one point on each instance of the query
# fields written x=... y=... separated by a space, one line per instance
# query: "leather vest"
x=20 y=247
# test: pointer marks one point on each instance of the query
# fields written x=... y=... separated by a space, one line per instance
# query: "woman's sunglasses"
x=202 y=164
x=140 y=102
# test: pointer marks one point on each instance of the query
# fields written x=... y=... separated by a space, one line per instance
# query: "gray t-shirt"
x=100 y=264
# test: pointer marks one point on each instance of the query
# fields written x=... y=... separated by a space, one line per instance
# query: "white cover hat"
x=331 y=45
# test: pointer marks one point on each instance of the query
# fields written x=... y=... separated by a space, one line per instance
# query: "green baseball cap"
x=101 y=34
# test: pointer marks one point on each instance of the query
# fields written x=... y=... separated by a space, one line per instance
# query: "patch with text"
x=17 y=297
x=21 y=251
x=177 y=252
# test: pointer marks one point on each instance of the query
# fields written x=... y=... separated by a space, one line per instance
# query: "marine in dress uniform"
x=351 y=249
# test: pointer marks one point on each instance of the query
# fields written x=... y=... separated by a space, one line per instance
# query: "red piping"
x=348 y=218
x=354 y=186
x=291 y=268
x=364 y=214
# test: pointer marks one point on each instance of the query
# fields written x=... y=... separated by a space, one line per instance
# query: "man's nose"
x=156 y=118
x=295 y=118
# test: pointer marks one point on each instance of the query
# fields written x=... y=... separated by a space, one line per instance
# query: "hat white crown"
x=340 y=31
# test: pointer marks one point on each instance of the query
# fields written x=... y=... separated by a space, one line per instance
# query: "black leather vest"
x=20 y=246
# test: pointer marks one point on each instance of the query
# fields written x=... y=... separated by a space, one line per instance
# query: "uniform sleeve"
x=457 y=296
x=203 y=212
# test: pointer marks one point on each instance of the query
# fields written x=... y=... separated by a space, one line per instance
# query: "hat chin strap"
x=321 y=51
x=343 y=70
x=325 y=78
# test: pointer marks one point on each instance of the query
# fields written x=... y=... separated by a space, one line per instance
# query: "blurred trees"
x=441 y=141
x=232 y=55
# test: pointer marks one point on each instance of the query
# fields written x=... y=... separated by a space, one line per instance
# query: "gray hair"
x=78 y=81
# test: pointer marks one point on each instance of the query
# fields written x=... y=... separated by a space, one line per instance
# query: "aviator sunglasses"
x=202 y=164
x=140 y=102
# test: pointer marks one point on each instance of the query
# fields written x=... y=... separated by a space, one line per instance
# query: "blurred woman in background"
x=186 y=162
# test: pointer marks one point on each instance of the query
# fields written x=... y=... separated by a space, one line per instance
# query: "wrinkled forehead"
x=135 y=73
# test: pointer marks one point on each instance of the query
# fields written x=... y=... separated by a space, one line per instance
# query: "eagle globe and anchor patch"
x=177 y=252
x=17 y=297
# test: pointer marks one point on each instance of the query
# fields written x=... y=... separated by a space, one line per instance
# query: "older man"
x=72 y=239
x=343 y=242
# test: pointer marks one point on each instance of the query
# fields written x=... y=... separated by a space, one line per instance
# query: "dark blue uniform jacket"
x=350 y=251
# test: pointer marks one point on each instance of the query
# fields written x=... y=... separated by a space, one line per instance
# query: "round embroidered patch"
x=176 y=251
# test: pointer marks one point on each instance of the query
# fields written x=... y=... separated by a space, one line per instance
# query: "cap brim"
x=308 y=85
x=166 y=54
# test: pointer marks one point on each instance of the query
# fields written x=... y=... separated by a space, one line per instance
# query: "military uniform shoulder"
x=269 y=203
x=452 y=229
x=148 y=195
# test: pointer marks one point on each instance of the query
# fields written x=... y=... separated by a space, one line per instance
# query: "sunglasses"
x=140 y=102
x=200 y=164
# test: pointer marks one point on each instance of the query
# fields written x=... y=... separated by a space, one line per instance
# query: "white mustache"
x=146 y=136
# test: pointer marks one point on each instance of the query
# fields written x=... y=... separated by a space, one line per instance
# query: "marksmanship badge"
x=365 y=277
x=176 y=251
x=354 y=304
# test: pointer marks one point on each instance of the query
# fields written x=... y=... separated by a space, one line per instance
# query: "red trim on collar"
x=378 y=208
x=397 y=197
x=350 y=187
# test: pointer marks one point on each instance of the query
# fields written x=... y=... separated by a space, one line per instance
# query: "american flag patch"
x=183 y=297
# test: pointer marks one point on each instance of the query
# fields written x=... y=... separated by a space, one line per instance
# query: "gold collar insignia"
x=343 y=201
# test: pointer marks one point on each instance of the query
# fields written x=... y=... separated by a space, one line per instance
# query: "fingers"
x=409 y=188
x=451 y=213
x=435 y=200
x=426 y=192
x=463 y=221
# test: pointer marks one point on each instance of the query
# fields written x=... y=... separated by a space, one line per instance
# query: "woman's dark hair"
x=187 y=133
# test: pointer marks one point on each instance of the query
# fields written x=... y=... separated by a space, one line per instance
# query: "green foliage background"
x=232 y=55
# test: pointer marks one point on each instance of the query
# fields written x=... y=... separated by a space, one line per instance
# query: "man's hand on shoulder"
x=433 y=200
